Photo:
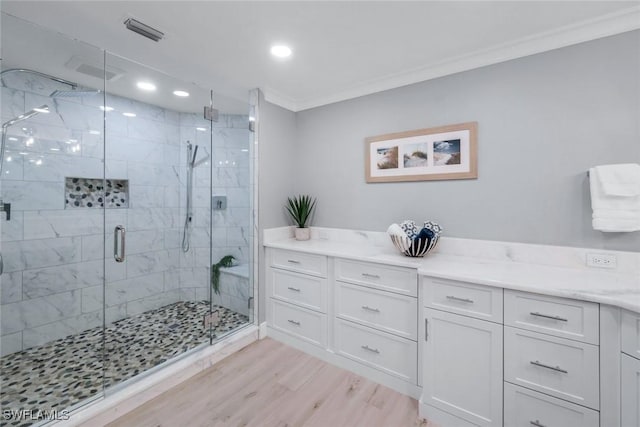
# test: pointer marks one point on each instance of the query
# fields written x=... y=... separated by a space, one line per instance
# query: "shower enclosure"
x=115 y=204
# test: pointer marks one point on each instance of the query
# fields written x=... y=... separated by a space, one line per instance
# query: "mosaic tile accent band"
x=67 y=371
x=89 y=193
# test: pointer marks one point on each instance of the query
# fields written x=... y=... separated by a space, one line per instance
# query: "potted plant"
x=300 y=208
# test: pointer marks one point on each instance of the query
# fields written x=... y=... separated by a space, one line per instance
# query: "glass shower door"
x=52 y=229
x=158 y=167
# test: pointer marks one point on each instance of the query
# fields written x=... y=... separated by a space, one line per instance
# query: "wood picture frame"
x=439 y=153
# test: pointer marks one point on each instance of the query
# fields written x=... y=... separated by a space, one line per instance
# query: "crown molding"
x=603 y=26
x=277 y=98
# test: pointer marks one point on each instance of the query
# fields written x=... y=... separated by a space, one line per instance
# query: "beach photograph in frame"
x=439 y=153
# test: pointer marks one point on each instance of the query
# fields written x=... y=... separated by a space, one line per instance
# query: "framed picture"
x=446 y=152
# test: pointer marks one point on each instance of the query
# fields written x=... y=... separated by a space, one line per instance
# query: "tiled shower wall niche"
x=95 y=192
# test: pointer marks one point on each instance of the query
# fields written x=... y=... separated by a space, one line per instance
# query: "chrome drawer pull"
x=372 y=276
x=293 y=261
x=536 y=423
x=293 y=322
x=293 y=289
x=372 y=350
x=375 y=310
x=553 y=368
x=546 y=316
x=470 y=301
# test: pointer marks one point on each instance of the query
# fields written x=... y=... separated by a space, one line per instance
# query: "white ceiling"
x=341 y=49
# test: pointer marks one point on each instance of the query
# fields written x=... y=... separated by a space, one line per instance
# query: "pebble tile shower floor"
x=64 y=372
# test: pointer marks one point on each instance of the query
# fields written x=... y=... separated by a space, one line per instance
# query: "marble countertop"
x=595 y=285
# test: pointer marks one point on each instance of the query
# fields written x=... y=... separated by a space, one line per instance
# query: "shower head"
x=24 y=116
x=74 y=93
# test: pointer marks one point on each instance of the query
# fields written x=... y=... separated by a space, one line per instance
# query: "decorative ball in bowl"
x=414 y=242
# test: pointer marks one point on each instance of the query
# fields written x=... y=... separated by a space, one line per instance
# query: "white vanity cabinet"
x=630 y=370
x=462 y=359
x=361 y=316
x=551 y=361
x=297 y=288
x=376 y=316
x=475 y=353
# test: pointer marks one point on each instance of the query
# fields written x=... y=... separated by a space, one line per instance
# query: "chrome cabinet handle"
x=119 y=257
x=371 y=276
x=451 y=297
x=293 y=289
x=367 y=308
x=547 y=316
x=553 y=368
x=372 y=350
x=1 y=264
x=293 y=261
x=293 y=322
x=536 y=423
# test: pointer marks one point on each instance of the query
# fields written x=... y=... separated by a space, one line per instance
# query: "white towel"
x=620 y=180
x=616 y=209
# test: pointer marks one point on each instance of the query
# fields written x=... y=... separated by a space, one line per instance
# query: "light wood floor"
x=269 y=384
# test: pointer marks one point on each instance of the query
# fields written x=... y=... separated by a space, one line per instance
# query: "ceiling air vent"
x=92 y=68
x=143 y=29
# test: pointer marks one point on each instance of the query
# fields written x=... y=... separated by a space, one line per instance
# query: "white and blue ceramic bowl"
x=422 y=242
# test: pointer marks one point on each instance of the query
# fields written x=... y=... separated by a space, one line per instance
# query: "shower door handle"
x=119 y=257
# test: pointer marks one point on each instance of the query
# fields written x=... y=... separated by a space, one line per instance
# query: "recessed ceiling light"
x=44 y=109
x=54 y=149
x=281 y=51
x=181 y=93
x=148 y=86
x=106 y=108
x=94 y=132
x=129 y=114
x=202 y=129
x=13 y=138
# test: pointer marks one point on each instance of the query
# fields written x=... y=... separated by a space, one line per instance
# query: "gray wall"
x=543 y=121
x=277 y=145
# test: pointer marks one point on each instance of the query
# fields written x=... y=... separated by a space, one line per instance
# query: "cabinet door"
x=630 y=392
x=631 y=334
x=462 y=368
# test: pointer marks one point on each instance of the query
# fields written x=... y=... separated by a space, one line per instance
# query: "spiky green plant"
x=300 y=208
x=225 y=261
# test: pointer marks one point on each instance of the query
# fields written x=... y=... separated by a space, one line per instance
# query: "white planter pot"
x=303 y=233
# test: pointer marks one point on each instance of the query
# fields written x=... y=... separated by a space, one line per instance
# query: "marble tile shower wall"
x=52 y=281
x=228 y=155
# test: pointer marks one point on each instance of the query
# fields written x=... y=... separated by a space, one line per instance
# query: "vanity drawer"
x=389 y=353
x=631 y=333
x=481 y=302
x=576 y=320
x=527 y=408
x=385 y=277
x=301 y=289
x=393 y=313
x=559 y=367
x=304 y=324
x=300 y=262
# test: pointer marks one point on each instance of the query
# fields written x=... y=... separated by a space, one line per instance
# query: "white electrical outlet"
x=602 y=261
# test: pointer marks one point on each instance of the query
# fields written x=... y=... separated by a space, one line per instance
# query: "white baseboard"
x=263 y=330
